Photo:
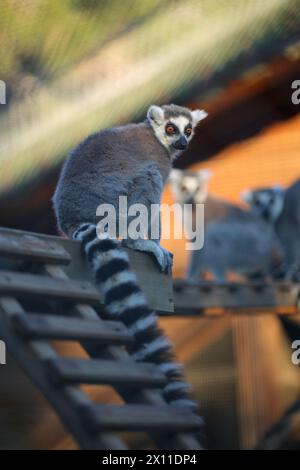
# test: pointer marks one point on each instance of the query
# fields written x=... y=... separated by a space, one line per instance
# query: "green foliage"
x=75 y=66
x=43 y=37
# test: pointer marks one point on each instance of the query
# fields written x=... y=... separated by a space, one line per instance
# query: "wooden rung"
x=23 y=284
x=15 y=244
x=97 y=371
x=140 y=418
x=69 y=328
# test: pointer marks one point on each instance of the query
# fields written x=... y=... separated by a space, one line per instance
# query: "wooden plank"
x=24 y=245
x=258 y=387
x=23 y=284
x=191 y=298
x=141 y=418
x=156 y=286
x=98 y=371
x=43 y=326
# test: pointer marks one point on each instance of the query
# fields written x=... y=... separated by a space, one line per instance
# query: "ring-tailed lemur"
x=235 y=240
x=280 y=207
x=132 y=160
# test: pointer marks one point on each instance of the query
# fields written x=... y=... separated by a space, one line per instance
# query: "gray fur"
x=172 y=110
x=235 y=240
x=129 y=160
x=238 y=244
x=120 y=161
x=286 y=222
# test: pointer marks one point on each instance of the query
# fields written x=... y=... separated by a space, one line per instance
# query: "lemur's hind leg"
x=219 y=273
x=152 y=245
x=196 y=267
x=293 y=273
x=147 y=189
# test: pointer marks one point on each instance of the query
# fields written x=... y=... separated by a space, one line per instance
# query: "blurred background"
x=73 y=67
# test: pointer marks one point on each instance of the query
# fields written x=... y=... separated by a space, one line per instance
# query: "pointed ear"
x=198 y=115
x=278 y=188
x=175 y=175
x=155 y=114
x=205 y=174
x=246 y=196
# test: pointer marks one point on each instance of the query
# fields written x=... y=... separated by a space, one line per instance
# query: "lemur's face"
x=174 y=126
x=189 y=187
x=265 y=202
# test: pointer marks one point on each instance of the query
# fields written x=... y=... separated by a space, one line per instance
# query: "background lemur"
x=281 y=208
x=235 y=240
x=132 y=160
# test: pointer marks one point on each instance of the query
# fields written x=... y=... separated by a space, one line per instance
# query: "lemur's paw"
x=163 y=257
x=167 y=263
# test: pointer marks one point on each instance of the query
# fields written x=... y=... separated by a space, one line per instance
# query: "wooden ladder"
x=35 y=269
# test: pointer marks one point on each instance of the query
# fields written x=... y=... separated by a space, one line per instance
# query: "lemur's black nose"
x=181 y=143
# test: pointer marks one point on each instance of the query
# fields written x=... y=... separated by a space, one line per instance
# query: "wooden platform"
x=182 y=298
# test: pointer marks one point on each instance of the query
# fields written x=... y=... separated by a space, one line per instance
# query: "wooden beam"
x=204 y=297
x=258 y=394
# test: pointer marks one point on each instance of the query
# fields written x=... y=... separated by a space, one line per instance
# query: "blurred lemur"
x=281 y=209
x=133 y=160
x=235 y=240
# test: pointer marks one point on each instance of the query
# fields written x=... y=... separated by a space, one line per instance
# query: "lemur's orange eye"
x=170 y=129
x=188 y=131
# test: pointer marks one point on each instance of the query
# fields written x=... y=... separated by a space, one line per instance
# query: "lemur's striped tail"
x=124 y=299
